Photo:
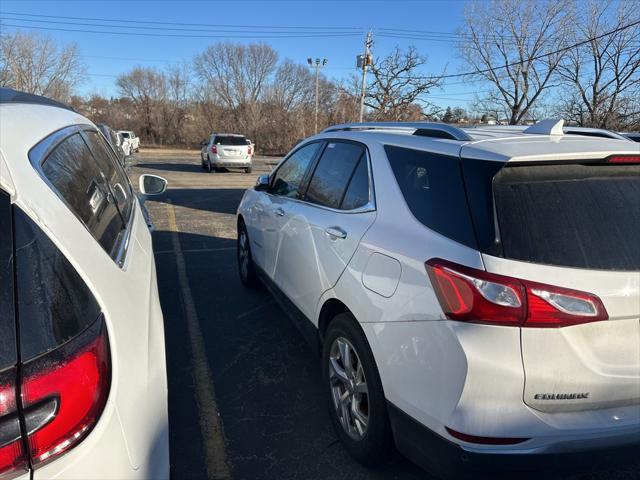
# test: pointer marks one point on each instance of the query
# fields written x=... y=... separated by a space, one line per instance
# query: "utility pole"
x=319 y=64
x=364 y=61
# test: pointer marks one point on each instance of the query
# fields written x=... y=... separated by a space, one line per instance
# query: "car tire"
x=208 y=167
x=374 y=445
x=246 y=267
x=248 y=170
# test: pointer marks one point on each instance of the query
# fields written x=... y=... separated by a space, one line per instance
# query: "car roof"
x=11 y=96
x=545 y=141
x=228 y=134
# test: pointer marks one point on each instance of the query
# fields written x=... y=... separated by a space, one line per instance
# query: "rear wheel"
x=355 y=396
x=208 y=165
x=248 y=170
x=246 y=267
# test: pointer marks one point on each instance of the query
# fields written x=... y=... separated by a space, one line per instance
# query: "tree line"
x=526 y=59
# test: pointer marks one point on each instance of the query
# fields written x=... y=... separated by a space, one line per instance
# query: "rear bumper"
x=231 y=163
x=449 y=460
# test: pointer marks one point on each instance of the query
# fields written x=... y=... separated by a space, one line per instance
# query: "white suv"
x=475 y=292
x=226 y=150
x=83 y=389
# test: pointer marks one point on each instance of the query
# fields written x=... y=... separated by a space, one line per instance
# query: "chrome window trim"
x=370 y=206
x=39 y=153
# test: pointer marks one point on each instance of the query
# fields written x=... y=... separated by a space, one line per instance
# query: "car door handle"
x=279 y=212
x=335 y=232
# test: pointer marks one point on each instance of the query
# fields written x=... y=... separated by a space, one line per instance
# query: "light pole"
x=319 y=64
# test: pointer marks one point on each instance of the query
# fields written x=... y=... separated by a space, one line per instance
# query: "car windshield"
x=230 y=140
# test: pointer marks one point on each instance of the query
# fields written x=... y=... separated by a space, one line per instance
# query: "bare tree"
x=603 y=74
x=37 y=64
x=507 y=42
x=397 y=89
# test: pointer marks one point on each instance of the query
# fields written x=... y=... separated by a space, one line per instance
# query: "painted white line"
x=210 y=424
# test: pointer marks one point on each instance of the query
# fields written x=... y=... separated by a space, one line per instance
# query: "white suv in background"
x=83 y=388
x=475 y=292
x=134 y=142
x=226 y=150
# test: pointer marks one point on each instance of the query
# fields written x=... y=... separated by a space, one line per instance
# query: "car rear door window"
x=54 y=303
x=76 y=176
x=359 y=191
x=333 y=173
x=7 y=311
x=582 y=216
x=290 y=174
x=433 y=189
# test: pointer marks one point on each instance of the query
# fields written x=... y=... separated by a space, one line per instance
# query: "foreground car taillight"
x=468 y=294
x=64 y=393
x=13 y=461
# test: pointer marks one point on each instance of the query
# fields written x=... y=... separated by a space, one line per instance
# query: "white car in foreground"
x=475 y=292
x=83 y=388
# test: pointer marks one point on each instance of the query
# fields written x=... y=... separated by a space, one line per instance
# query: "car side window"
x=291 y=173
x=333 y=173
x=75 y=174
x=358 y=191
x=54 y=303
x=117 y=178
x=8 y=354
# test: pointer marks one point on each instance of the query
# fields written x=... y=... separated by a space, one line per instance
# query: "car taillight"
x=64 y=393
x=471 y=295
x=624 y=159
x=485 y=440
x=249 y=150
x=13 y=461
x=214 y=149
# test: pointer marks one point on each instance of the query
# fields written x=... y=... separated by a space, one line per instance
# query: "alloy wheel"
x=349 y=390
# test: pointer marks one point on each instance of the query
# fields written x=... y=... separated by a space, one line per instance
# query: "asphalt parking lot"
x=244 y=392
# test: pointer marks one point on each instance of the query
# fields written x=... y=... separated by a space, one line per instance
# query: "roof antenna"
x=550 y=126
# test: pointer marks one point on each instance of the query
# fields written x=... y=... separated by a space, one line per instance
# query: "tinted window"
x=7 y=319
x=54 y=304
x=333 y=172
x=289 y=176
x=230 y=140
x=357 y=194
x=125 y=134
x=433 y=189
x=583 y=216
x=118 y=180
x=76 y=176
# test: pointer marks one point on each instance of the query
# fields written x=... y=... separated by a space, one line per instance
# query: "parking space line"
x=210 y=424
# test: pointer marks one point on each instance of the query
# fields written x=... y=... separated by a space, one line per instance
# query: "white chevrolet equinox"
x=475 y=293
x=83 y=389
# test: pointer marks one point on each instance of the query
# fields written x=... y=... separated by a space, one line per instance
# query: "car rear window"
x=230 y=140
x=583 y=216
x=54 y=303
x=433 y=189
x=7 y=311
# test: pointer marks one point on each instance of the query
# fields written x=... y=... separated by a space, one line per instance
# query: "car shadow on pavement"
x=217 y=200
x=171 y=167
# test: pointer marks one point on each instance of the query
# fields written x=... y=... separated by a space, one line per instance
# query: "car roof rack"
x=9 y=95
x=424 y=129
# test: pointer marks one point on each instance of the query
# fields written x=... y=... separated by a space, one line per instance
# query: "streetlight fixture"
x=318 y=64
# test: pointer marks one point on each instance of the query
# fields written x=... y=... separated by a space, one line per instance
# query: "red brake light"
x=249 y=150
x=12 y=459
x=624 y=159
x=75 y=380
x=214 y=149
x=471 y=295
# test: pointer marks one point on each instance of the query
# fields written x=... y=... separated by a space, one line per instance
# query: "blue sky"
x=107 y=55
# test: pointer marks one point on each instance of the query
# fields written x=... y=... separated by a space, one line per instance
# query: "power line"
x=149 y=22
x=137 y=34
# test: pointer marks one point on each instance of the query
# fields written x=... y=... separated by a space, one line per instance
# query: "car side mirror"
x=262 y=183
x=152 y=185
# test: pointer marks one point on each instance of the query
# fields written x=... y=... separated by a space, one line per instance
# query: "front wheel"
x=246 y=267
x=208 y=165
x=357 y=405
